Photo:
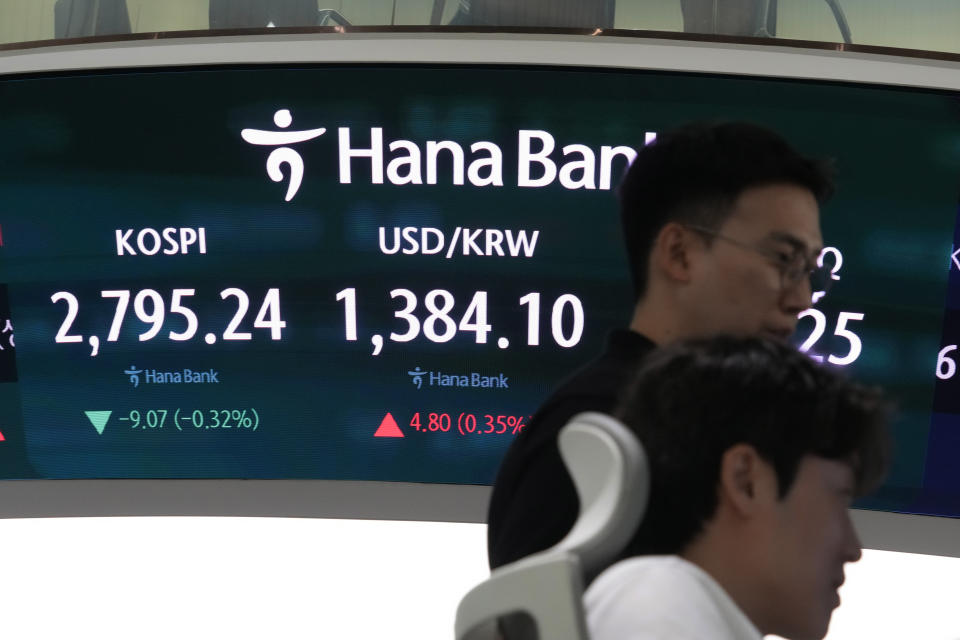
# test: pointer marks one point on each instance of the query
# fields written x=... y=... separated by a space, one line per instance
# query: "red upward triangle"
x=1 y=436
x=388 y=428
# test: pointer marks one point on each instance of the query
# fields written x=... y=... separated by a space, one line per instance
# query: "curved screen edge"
x=366 y=501
x=244 y=498
x=908 y=533
x=554 y=50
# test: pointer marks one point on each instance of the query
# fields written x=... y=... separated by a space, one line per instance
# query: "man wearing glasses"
x=722 y=229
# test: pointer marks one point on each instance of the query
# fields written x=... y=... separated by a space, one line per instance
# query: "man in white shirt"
x=755 y=455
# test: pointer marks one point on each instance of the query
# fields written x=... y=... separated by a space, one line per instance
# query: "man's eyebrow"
x=792 y=240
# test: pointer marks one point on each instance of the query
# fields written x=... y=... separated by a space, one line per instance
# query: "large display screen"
x=378 y=273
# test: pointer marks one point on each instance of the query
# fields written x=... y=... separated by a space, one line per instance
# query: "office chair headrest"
x=609 y=469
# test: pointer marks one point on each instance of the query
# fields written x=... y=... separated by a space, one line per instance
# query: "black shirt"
x=534 y=503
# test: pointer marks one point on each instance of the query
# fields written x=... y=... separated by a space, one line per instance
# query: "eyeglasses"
x=793 y=266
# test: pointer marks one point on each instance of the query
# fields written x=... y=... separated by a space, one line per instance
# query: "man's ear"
x=748 y=483
x=672 y=252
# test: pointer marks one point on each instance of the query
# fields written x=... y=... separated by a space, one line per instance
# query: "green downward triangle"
x=98 y=419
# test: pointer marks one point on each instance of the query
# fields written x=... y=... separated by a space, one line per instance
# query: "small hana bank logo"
x=283 y=154
x=470 y=379
x=417 y=376
x=180 y=376
x=134 y=374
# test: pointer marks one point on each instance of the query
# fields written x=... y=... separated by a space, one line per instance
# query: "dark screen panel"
x=178 y=313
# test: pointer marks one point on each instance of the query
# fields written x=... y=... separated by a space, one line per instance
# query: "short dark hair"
x=695 y=174
x=692 y=401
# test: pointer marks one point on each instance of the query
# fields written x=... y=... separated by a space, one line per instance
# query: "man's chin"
x=812 y=626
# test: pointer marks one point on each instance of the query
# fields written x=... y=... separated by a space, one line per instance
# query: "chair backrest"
x=612 y=477
x=609 y=470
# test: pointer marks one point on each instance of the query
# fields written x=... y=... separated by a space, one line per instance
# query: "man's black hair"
x=693 y=400
x=695 y=174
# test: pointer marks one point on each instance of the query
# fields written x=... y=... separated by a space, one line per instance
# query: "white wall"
x=256 y=578
x=235 y=578
x=902 y=596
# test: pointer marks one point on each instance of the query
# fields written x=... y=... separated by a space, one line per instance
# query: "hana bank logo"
x=416 y=376
x=283 y=154
x=134 y=374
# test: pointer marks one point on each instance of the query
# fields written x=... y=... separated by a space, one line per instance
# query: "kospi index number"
x=150 y=308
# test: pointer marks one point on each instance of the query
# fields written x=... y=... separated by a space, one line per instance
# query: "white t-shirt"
x=662 y=598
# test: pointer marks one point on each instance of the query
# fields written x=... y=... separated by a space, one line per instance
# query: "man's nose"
x=797 y=296
x=854 y=549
